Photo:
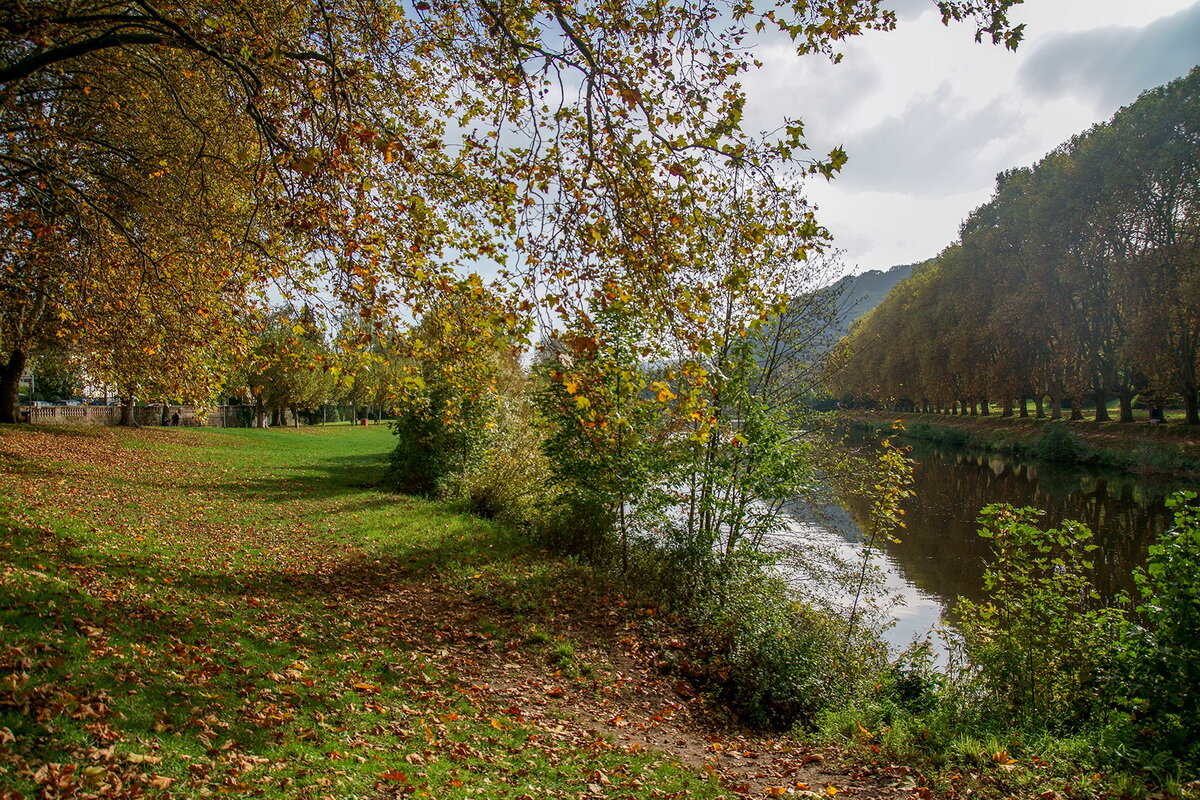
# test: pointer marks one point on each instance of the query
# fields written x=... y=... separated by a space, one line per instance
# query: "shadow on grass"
x=215 y=639
x=330 y=479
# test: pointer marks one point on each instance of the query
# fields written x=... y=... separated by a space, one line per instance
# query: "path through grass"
x=193 y=613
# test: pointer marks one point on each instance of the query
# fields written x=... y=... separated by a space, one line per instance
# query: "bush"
x=510 y=479
x=939 y=434
x=1055 y=442
x=780 y=662
x=430 y=451
x=1040 y=645
x=1164 y=654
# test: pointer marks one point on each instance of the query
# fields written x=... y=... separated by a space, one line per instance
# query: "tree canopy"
x=1079 y=279
x=365 y=150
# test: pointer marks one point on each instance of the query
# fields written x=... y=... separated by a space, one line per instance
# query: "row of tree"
x=167 y=166
x=293 y=361
x=1079 y=280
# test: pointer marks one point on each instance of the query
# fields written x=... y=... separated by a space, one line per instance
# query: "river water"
x=941 y=557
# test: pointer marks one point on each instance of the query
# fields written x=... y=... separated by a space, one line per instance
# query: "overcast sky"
x=929 y=117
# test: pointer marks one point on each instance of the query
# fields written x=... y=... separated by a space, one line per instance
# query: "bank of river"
x=941 y=557
x=1171 y=449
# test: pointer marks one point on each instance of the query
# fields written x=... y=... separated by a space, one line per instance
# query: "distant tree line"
x=1079 y=280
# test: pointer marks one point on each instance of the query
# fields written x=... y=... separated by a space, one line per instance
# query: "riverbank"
x=1170 y=449
x=193 y=613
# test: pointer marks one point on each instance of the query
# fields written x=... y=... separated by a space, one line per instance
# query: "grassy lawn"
x=195 y=613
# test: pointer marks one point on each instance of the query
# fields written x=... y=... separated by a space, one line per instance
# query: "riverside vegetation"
x=1077 y=281
x=1049 y=690
x=240 y=611
x=190 y=630
x=1054 y=441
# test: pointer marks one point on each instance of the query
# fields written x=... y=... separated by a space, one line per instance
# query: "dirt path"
x=624 y=701
x=579 y=669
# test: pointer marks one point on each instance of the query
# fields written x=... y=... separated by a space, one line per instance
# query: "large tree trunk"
x=1023 y=407
x=1190 y=409
x=1006 y=407
x=985 y=407
x=1126 y=399
x=1055 y=406
x=127 y=419
x=10 y=386
x=1102 y=406
x=1076 y=408
x=1040 y=409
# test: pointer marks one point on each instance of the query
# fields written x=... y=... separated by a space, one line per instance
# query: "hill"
x=861 y=293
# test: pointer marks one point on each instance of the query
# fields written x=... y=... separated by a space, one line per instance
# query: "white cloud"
x=1112 y=64
x=928 y=116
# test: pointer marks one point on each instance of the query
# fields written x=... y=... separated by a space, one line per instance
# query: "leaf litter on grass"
x=199 y=613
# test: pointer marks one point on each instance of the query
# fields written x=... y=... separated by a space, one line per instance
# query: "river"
x=941 y=557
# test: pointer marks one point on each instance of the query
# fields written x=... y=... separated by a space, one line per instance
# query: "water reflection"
x=941 y=557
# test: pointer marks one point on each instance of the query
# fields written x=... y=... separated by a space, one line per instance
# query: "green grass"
x=1171 y=450
x=241 y=612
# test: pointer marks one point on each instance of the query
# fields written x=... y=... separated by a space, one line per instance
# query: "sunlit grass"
x=208 y=612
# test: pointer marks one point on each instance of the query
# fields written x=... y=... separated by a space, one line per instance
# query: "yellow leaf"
x=662 y=392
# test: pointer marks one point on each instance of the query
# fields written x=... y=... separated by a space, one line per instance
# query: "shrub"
x=939 y=434
x=431 y=449
x=509 y=480
x=1163 y=654
x=781 y=662
x=1040 y=645
x=1055 y=442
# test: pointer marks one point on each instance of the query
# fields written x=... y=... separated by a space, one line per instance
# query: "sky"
x=928 y=116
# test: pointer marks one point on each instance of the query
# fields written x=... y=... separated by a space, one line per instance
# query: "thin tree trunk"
x=985 y=407
x=10 y=386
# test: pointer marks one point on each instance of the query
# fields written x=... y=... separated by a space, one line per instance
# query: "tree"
x=1078 y=278
x=381 y=143
x=287 y=365
x=1156 y=185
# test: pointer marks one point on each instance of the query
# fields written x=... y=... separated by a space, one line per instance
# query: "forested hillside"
x=1079 y=281
x=858 y=294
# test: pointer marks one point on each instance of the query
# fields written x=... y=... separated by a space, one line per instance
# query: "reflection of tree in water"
x=941 y=552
